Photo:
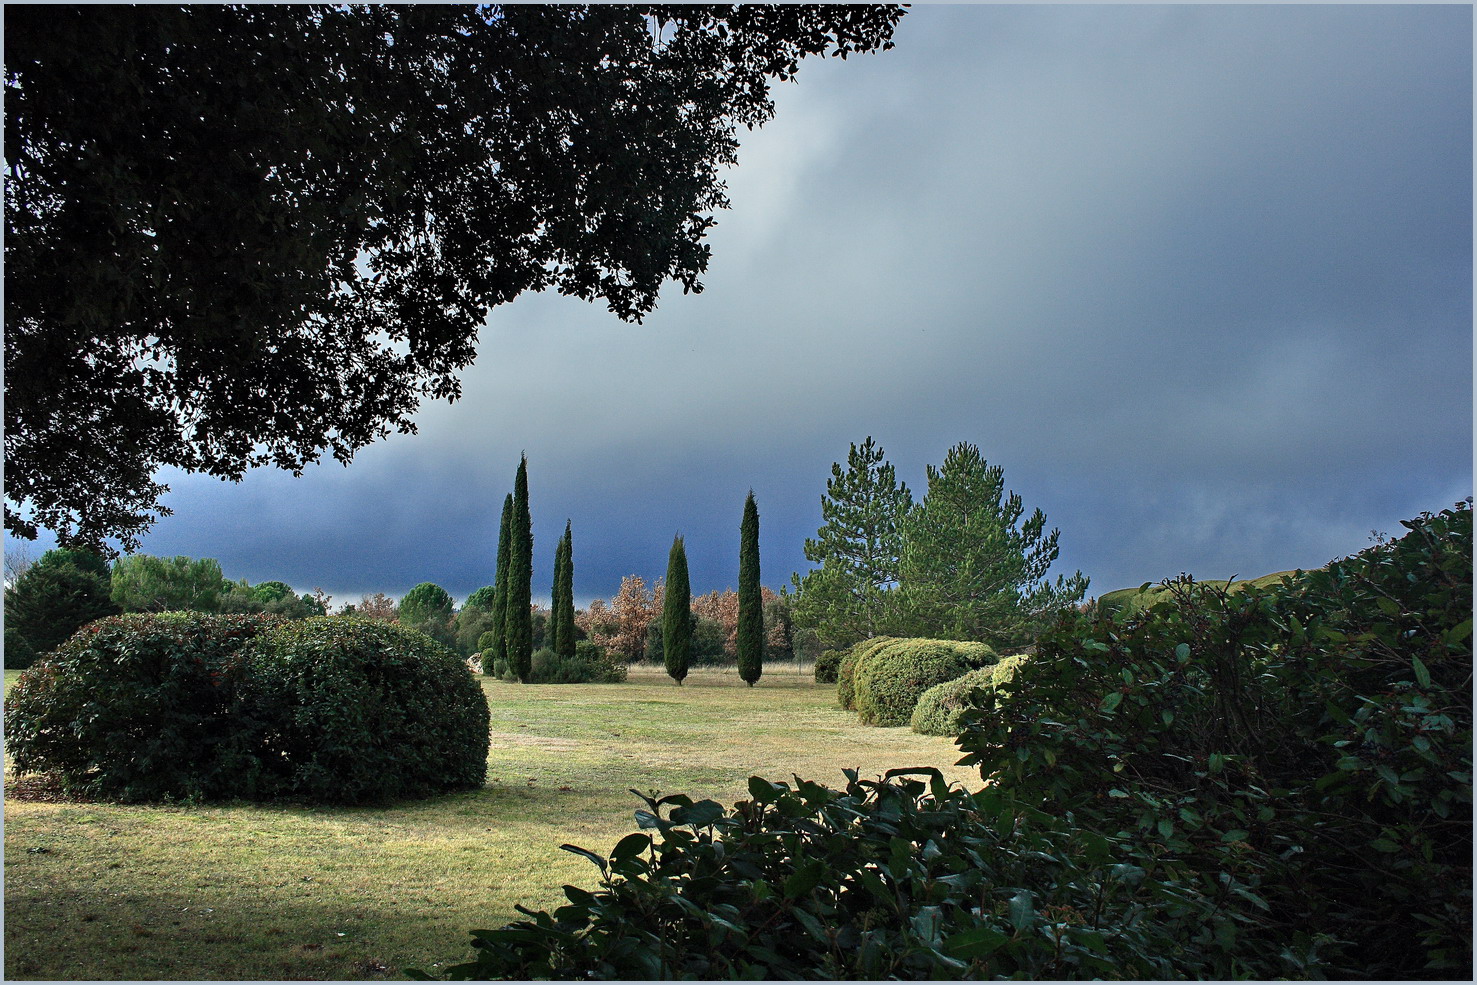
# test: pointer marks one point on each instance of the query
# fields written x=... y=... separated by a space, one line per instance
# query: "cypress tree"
x=564 y=598
x=751 y=604
x=677 y=613
x=520 y=579
x=499 y=630
x=551 y=628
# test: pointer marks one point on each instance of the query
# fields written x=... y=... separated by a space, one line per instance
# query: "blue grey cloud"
x=1198 y=277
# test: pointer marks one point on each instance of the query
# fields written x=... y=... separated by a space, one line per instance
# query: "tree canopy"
x=258 y=234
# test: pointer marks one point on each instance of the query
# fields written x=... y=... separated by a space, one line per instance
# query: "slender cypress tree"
x=677 y=613
x=551 y=629
x=520 y=579
x=564 y=598
x=499 y=629
x=751 y=604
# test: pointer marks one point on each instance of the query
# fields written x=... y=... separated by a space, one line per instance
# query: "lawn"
x=244 y=891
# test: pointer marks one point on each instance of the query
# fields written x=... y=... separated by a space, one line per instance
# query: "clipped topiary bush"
x=890 y=679
x=846 y=669
x=355 y=711
x=827 y=665
x=940 y=710
x=138 y=707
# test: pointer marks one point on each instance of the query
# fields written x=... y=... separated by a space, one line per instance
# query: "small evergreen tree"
x=563 y=639
x=677 y=613
x=520 y=579
x=551 y=633
x=52 y=601
x=751 y=602
x=482 y=598
x=498 y=651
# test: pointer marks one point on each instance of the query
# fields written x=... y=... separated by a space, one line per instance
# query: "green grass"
x=244 y=891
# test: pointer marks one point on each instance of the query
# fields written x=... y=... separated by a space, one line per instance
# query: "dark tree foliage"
x=563 y=639
x=677 y=613
x=499 y=649
x=751 y=604
x=82 y=560
x=482 y=599
x=255 y=234
x=519 y=631
x=551 y=632
x=50 y=601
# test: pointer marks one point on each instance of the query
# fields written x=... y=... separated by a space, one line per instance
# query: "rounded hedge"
x=846 y=669
x=890 y=679
x=940 y=710
x=827 y=665
x=355 y=711
x=137 y=707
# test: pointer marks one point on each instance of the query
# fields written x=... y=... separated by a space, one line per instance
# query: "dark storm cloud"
x=1199 y=278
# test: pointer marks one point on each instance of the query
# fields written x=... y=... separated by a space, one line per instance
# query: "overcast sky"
x=1198 y=278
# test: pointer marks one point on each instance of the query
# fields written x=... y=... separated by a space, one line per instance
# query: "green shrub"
x=890 y=679
x=51 y=601
x=19 y=654
x=138 y=707
x=940 y=710
x=846 y=669
x=826 y=666
x=589 y=665
x=885 y=880
x=354 y=711
x=501 y=669
x=1303 y=749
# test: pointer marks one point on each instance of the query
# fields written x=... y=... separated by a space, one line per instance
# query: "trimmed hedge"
x=846 y=669
x=827 y=665
x=193 y=706
x=890 y=679
x=940 y=710
x=356 y=711
x=138 y=707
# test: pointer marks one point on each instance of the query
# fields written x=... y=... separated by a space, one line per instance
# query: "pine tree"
x=520 y=579
x=563 y=638
x=852 y=595
x=499 y=650
x=751 y=603
x=677 y=613
x=971 y=567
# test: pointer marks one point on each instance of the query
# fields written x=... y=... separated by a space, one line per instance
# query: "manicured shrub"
x=827 y=663
x=846 y=669
x=890 y=679
x=138 y=707
x=940 y=710
x=355 y=711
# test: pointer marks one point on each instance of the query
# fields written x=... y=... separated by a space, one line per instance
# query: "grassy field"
x=241 y=891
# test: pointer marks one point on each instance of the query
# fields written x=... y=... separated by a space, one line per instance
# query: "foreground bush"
x=891 y=879
x=941 y=709
x=890 y=679
x=1305 y=748
x=354 y=711
x=1266 y=784
x=138 y=708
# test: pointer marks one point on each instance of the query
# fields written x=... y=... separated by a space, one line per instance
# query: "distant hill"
x=1137 y=599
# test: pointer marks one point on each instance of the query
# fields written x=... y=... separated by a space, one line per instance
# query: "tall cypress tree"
x=677 y=613
x=520 y=579
x=551 y=628
x=751 y=604
x=564 y=598
x=499 y=629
